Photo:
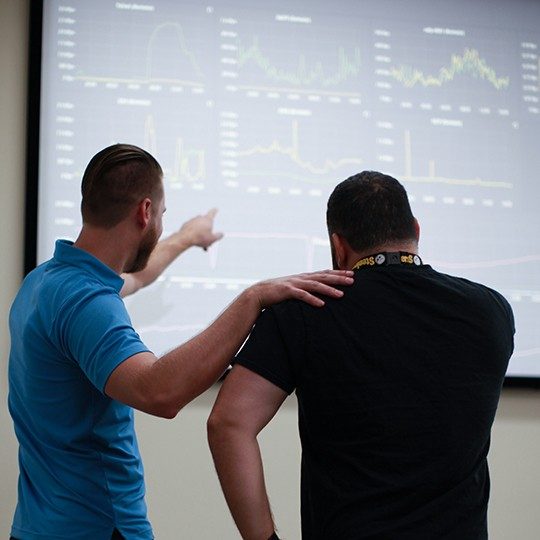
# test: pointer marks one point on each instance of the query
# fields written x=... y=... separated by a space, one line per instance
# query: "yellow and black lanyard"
x=385 y=258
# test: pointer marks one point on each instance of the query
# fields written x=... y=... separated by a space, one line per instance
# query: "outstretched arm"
x=163 y=386
x=198 y=231
x=245 y=404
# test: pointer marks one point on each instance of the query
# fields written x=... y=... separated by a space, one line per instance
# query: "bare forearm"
x=163 y=386
x=238 y=463
x=163 y=255
x=166 y=251
x=194 y=232
x=187 y=371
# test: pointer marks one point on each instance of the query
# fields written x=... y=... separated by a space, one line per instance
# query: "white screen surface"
x=261 y=109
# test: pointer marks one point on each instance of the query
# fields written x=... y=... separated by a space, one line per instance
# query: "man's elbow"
x=163 y=407
x=168 y=413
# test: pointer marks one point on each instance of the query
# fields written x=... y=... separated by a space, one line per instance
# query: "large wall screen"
x=260 y=108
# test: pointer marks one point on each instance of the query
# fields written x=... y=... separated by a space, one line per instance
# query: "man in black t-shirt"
x=397 y=385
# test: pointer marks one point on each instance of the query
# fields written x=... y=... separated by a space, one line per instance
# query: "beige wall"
x=183 y=494
x=13 y=51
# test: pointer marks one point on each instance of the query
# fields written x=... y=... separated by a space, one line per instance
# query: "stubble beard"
x=147 y=245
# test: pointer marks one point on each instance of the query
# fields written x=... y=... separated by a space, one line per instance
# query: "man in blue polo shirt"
x=70 y=330
x=77 y=367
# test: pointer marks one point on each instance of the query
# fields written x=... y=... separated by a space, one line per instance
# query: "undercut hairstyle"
x=117 y=179
x=370 y=209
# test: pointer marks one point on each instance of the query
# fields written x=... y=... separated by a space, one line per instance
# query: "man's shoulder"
x=468 y=284
x=53 y=287
x=474 y=293
x=286 y=311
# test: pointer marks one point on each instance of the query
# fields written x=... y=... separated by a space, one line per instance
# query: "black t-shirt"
x=397 y=385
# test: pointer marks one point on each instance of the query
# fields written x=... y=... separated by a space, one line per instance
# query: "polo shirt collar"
x=66 y=253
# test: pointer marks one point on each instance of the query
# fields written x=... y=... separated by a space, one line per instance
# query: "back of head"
x=370 y=210
x=116 y=179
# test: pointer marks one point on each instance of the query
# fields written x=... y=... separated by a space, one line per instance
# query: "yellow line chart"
x=293 y=152
x=470 y=63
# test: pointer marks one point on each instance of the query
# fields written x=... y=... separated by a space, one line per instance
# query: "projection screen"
x=260 y=109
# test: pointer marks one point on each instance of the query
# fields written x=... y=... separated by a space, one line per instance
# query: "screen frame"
x=32 y=161
x=33 y=125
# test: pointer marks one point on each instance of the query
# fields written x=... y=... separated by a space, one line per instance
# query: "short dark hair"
x=370 y=209
x=117 y=178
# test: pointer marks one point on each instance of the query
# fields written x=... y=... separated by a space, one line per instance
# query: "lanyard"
x=388 y=258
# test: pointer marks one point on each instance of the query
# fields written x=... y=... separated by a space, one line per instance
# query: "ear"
x=417 y=229
x=143 y=214
x=339 y=250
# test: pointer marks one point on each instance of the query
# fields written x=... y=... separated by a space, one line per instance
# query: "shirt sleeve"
x=276 y=346
x=97 y=334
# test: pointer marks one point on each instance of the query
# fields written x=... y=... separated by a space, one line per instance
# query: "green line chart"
x=165 y=58
x=469 y=63
x=183 y=48
x=316 y=74
x=189 y=164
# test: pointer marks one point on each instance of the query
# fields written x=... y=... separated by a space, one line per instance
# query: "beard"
x=147 y=245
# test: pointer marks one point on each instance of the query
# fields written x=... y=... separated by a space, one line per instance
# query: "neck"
x=354 y=256
x=111 y=246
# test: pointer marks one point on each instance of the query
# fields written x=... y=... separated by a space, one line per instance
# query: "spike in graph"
x=433 y=178
x=347 y=67
x=469 y=63
x=150 y=134
x=182 y=48
x=293 y=153
x=189 y=165
x=180 y=52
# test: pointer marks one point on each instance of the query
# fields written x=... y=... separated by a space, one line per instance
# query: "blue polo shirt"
x=80 y=469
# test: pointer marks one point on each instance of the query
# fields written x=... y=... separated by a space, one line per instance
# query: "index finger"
x=331 y=276
x=212 y=213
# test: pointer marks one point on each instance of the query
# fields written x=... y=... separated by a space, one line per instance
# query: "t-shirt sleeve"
x=97 y=334
x=276 y=346
x=506 y=326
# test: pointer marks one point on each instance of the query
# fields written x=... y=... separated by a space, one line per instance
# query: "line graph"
x=189 y=164
x=297 y=160
x=178 y=31
x=292 y=151
x=434 y=178
x=469 y=63
x=348 y=66
x=164 y=57
x=469 y=73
